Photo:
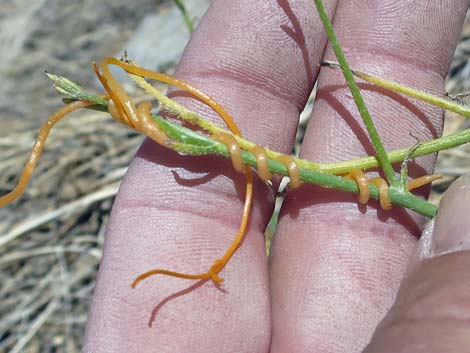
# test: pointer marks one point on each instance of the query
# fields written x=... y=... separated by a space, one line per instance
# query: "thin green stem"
x=186 y=17
x=430 y=98
x=205 y=145
x=71 y=89
x=331 y=168
x=374 y=136
x=187 y=141
x=425 y=148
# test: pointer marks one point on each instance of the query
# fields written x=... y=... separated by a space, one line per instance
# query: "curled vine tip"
x=423 y=180
x=212 y=274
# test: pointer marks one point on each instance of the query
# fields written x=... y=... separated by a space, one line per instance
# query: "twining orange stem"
x=157 y=76
x=261 y=162
x=37 y=150
x=361 y=180
x=292 y=169
x=125 y=111
x=384 y=198
x=423 y=180
x=233 y=148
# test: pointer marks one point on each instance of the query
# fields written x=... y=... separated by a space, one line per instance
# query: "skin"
x=336 y=267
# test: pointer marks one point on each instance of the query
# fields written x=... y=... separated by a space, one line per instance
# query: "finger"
x=431 y=310
x=260 y=69
x=181 y=213
x=336 y=266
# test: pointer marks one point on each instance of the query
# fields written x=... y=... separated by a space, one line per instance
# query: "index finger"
x=338 y=273
x=181 y=213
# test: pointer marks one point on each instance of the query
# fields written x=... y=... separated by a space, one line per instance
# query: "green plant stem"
x=74 y=91
x=331 y=168
x=186 y=17
x=430 y=98
x=187 y=141
x=186 y=138
x=374 y=136
x=425 y=148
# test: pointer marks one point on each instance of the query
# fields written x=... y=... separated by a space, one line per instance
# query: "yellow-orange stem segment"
x=37 y=150
x=128 y=110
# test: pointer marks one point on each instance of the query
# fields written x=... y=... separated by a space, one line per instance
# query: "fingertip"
x=431 y=311
x=449 y=230
x=434 y=296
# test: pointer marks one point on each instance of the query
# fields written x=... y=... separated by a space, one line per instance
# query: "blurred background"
x=51 y=239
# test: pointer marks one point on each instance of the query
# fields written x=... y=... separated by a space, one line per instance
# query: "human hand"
x=335 y=267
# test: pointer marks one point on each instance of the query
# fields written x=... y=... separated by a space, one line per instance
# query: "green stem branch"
x=430 y=98
x=187 y=141
x=186 y=138
x=364 y=112
x=185 y=14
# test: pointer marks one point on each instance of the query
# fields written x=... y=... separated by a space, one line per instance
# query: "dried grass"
x=51 y=239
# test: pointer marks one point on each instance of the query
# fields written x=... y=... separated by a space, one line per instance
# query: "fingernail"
x=451 y=231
